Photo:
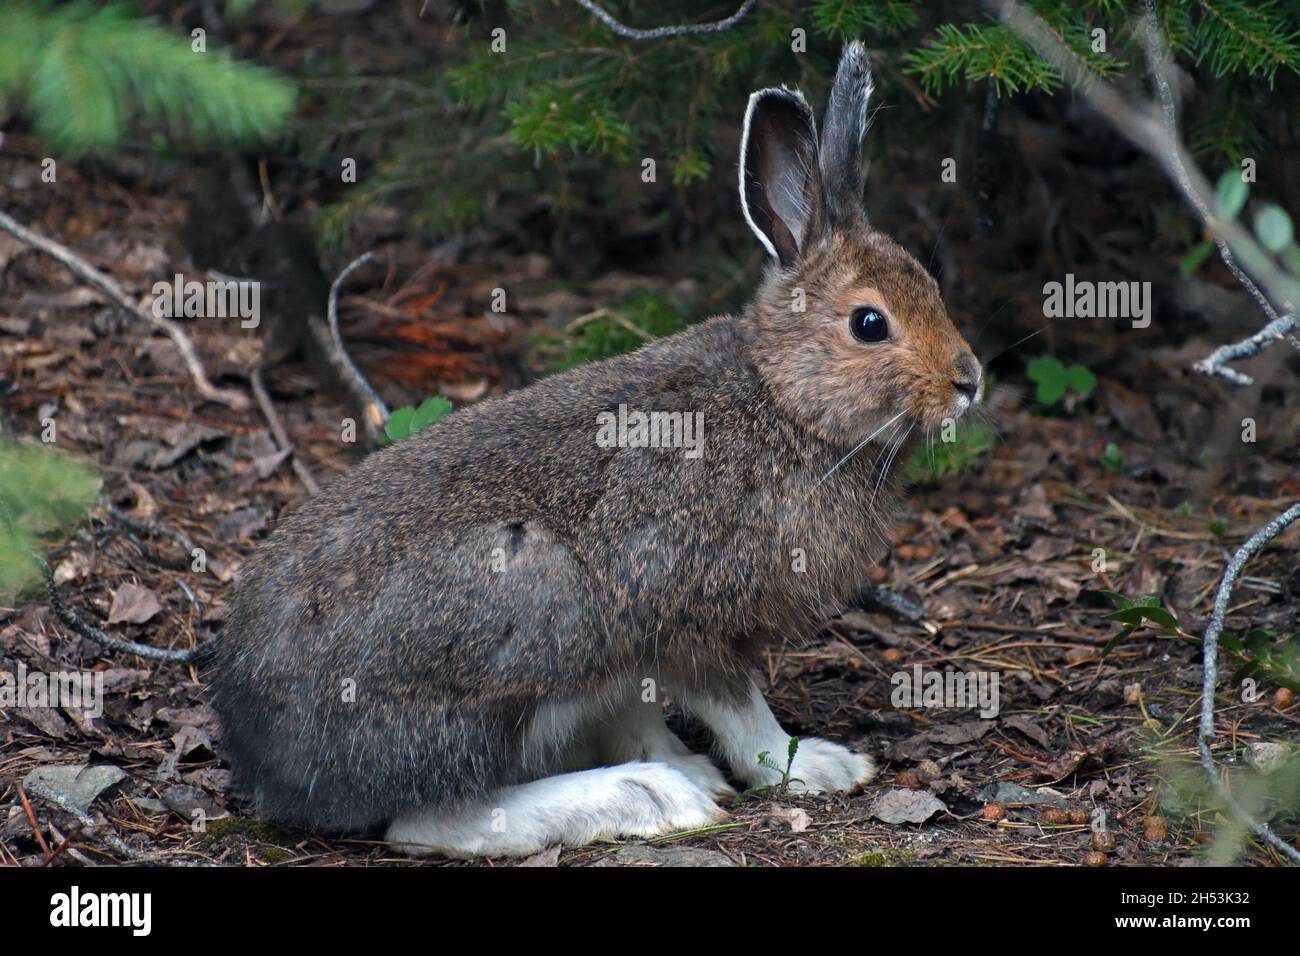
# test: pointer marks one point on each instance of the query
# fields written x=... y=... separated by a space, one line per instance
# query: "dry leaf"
x=133 y=604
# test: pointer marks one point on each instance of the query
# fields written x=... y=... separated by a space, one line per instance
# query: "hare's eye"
x=869 y=325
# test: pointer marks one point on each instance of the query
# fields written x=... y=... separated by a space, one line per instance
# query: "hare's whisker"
x=992 y=315
x=1018 y=342
x=884 y=472
x=859 y=446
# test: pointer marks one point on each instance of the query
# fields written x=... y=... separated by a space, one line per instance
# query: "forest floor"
x=1002 y=557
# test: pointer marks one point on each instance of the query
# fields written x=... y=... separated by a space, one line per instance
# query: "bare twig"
x=110 y=287
x=892 y=601
x=36 y=827
x=1210 y=671
x=151 y=528
x=1158 y=60
x=88 y=823
x=281 y=436
x=70 y=617
x=659 y=33
x=1215 y=362
x=376 y=412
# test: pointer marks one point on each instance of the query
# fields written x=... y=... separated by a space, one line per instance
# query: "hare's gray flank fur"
x=467 y=636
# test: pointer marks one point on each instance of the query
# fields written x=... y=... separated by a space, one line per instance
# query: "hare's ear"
x=845 y=123
x=779 y=192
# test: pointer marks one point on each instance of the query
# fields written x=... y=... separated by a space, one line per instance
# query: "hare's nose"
x=968 y=375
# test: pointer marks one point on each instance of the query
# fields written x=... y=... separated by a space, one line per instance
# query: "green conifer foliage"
x=88 y=74
x=568 y=110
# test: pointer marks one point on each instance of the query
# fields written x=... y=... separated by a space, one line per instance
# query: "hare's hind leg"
x=631 y=800
x=637 y=731
x=645 y=782
x=744 y=728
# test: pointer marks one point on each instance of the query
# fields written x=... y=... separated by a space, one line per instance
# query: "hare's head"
x=850 y=332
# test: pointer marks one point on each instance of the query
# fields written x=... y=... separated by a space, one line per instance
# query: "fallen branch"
x=1210 y=671
x=331 y=342
x=73 y=620
x=118 y=296
x=277 y=430
x=659 y=33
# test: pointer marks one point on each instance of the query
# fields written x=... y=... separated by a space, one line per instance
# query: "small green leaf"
x=1230 y=194
x=1273 y=227
x=1248 y=669
x=1260 y=643
x=398 y=425
x=1193 y=260
x=1050 y=375
x=1110 y=645
x=1291 y=257
x=1119 y=600
x=430 y=411
x=1081 y=380
x=1160 y=616
x=1112 y=459
x=1131 y=616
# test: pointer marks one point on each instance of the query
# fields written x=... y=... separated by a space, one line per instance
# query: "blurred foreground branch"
x=1155 y=131
x=1210 y=666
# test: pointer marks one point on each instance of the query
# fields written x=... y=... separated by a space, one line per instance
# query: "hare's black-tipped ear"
x=843 y=126
x=778 y=172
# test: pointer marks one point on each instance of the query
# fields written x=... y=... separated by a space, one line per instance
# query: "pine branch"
x=89 y=73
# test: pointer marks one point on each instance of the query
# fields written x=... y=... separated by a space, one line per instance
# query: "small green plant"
x=405 y=422
x=765 y=760
x=602 y=334
x=1055 y=380
x=1266 y=655
x=1137 y=613
x=42 y=492
x=1112 y=459
x=937 y=460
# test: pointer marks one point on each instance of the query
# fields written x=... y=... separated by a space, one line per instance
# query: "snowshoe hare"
x=467 y=638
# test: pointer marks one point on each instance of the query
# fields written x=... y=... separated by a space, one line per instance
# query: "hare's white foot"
x=630 y=800
x=822 y=766
x=701 y=771
x=638 y=732
x=745 y=728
